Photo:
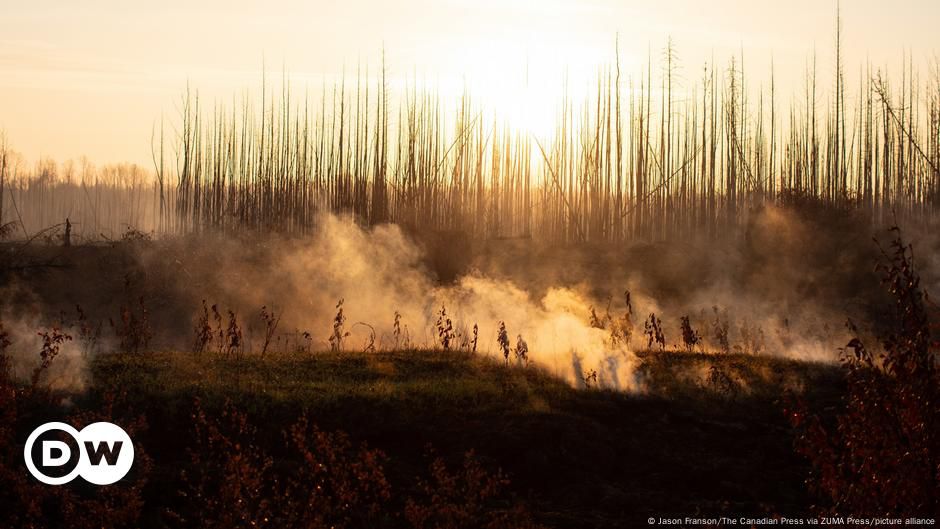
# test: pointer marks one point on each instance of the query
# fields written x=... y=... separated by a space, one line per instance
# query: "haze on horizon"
x=93 y=78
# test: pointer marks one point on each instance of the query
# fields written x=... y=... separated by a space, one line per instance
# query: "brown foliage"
x=228 y=477
x=27 y=503
x=464 y=498
x=323 y=480
x=202 y=330
x=653 y=329
x=133 y=330
x=337 y=484
x=502 y=338
x=445 y=328
x=339 y=334
x=882 y=454
x=690 y=338
x=52 y=341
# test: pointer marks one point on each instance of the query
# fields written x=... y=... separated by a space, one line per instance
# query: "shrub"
x=202 y=330
x=469 y=497
x=445 y=328
x=233 y=336
x=653 y=329
x=29 y=504
x=476 y=336
x=721 y=330
x=882 y=454
x=400 y=333
x=522 y=351
x=721 y=382
x=690 y=338
x=226 y=482
x=52 y=341
x=133 y=330
x=338 y=335
x=621 y=329
x=88 y=333
x=752 y=338
x=271 y=320
x=502 y=338
x=337 y=484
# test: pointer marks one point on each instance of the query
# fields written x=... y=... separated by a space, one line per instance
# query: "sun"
x=522 y=86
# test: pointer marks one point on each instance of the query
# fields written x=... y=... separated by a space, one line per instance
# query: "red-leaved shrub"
x=882 y=454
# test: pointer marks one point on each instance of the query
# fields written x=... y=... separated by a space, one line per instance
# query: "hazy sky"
x=93 y=76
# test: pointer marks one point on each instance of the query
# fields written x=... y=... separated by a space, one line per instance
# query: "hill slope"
x=706 y=436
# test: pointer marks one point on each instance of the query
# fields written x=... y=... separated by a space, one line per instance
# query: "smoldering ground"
x=784 y=284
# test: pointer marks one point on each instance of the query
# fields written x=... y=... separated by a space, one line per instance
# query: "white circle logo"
x=101 y=453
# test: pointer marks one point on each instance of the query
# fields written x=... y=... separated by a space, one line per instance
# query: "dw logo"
x=101 y=453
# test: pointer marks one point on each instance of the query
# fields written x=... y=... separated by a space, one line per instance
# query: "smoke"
x=555 y=328
x=25 y=330
x=783 y=284
x=380 y=272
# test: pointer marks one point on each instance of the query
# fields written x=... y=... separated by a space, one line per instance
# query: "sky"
x=94 y=78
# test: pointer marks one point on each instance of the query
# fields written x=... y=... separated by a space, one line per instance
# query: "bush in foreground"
x=882 y=454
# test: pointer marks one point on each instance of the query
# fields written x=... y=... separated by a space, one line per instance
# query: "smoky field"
x=692 y=297
x=385 y=376
x=797 y=283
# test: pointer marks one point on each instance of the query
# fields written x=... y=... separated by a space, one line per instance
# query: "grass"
x=581 y=458
x=412 y=382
